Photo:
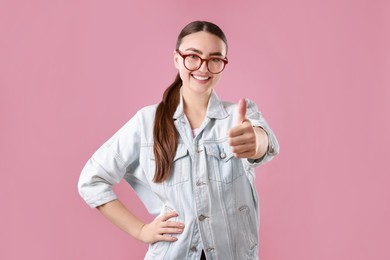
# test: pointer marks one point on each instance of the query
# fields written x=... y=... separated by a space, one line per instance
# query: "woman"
x=190 y=159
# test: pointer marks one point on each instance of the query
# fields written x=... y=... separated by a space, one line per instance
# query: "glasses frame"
x=184 y=56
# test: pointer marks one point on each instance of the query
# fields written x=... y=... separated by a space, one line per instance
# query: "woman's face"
x=205 y=45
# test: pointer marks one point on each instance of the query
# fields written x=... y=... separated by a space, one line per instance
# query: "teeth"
x=200 y=78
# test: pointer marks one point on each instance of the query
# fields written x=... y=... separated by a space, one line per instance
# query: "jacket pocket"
x=249 y=229
x=222 y=165
x=181 y=166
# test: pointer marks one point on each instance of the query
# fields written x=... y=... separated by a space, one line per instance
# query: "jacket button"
x=193 y=249
x=200 y=183
x=202 y=217
x=210 y=249
x=223 y=155
x=271 y=150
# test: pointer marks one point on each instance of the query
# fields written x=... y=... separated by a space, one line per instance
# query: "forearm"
x=262 y=142
x=120 y=216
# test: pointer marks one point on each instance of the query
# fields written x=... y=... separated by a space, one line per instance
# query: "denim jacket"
x=212 y=191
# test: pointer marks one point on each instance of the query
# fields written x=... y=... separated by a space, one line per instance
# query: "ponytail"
x=164 y=131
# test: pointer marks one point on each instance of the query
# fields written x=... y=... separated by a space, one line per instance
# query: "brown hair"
x=164 y=131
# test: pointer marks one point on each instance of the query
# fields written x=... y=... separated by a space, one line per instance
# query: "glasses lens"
x=215 y=65
x=192 y=62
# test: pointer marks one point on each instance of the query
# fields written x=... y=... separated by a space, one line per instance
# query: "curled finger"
x=166 y=238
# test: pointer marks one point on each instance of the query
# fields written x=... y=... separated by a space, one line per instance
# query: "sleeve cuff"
x=101 y=199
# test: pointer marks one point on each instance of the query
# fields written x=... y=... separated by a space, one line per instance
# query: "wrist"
x=261 y=142
x=139 y=235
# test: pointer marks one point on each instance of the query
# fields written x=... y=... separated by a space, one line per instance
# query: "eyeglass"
x=193 y=62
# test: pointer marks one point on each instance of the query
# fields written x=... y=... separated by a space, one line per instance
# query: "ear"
x=176 y=59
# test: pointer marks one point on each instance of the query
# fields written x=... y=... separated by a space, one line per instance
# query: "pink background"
x=73 y=72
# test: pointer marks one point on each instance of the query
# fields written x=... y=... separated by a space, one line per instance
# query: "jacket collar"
x=215 y=108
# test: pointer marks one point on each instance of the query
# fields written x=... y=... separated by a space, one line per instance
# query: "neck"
x=195 y=101
x=195 y=106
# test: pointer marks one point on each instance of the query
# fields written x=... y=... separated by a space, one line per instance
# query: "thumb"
x=241 y=111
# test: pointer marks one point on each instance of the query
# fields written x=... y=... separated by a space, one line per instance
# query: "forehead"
x=203 y=41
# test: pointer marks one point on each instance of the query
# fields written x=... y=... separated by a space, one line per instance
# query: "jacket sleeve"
x=257 y=119
x=108 y=164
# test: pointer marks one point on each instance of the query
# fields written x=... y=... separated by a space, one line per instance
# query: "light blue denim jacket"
x=212 y=191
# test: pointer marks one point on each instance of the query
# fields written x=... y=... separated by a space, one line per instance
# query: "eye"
x=194 y=57
x=216 y=60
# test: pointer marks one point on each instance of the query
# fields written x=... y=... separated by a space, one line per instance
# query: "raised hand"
x=244 y=139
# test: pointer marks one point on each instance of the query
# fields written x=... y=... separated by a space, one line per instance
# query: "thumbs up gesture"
x=245 y=140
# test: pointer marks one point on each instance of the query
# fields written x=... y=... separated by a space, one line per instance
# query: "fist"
x=243 y=137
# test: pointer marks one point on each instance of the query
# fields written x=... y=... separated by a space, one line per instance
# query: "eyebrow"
x=199 y=52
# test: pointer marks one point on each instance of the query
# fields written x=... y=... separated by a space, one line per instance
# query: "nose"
x=203 y=67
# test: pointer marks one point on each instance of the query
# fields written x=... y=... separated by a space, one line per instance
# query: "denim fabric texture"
x=212 y=191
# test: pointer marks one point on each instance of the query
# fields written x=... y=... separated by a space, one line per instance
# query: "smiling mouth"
x=200 y=77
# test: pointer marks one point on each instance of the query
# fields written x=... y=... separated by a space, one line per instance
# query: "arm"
x=106 y=168
x=120 y=216
x=261 y=142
